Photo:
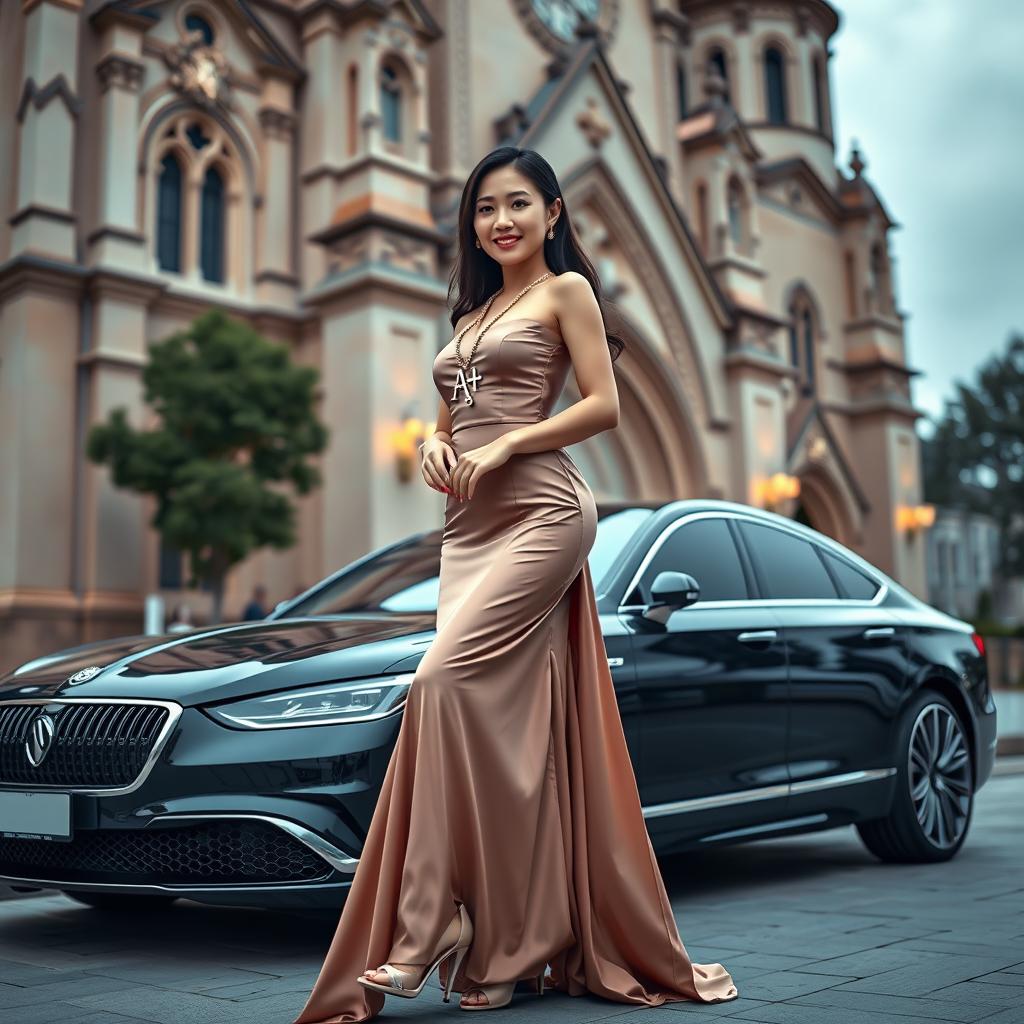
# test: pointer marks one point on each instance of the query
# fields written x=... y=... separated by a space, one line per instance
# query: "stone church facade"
x=299 y=163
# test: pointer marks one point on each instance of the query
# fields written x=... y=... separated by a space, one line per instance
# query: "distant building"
x=299 y=163
x=963 y=564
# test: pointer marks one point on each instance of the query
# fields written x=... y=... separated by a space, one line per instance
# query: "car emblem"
x=40 y=739
x=83 y=675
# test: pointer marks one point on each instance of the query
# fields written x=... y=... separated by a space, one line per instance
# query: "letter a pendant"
x=461 y=381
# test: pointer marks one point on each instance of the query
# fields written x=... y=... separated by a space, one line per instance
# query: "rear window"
x=856 y=585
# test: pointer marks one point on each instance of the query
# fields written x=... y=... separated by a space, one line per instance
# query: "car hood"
x=228 y=661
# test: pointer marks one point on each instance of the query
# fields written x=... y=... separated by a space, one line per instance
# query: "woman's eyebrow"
x=517 y=192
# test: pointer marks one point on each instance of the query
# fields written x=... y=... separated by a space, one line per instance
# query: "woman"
x=508 y=835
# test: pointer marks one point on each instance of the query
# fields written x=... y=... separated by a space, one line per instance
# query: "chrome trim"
x=743 y=796
x=766 y=602
x=174 y=713
x=701 y=803
x=338 y=859
x=615 y=662
x=183 y=890
x=846 y=779
x=757 y=634
x=877 y=631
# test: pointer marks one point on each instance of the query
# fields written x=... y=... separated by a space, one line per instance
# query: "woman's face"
x=509 y=204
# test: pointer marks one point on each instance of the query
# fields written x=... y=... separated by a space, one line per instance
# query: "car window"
x=406 y=576
x=787 y=565
x=857 y=585
x=705 y=549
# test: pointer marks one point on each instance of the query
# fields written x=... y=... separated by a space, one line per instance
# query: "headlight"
x=361 y=700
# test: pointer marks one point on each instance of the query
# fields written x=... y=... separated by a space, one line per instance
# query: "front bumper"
x=273 y=818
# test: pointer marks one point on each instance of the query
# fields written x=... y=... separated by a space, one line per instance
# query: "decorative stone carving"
x=199 y=72
x=277 y=124
x=592 y=124
x=119 y=71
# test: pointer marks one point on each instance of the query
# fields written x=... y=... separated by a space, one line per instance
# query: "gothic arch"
x=598 y=185
x=201 y=140
x=657 y=450
x=822 y=496
x=655 y=453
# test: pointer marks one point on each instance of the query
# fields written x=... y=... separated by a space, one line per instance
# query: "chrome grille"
x=98 y=745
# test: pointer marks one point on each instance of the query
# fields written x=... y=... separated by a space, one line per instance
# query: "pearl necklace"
x=461 y=380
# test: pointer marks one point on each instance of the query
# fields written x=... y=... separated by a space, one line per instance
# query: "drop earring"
x=478 y=245
x=551 y=231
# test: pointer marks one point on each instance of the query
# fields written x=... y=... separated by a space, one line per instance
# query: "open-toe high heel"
x=409 y=984
x=499 y=994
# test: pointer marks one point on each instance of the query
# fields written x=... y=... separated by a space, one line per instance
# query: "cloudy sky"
x=933 y=91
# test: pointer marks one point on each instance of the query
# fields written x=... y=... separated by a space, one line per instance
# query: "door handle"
x=757 y=636
x=615 y=662
x=878 y=632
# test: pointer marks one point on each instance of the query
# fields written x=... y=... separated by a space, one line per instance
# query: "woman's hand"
x=436 y=459
x=475 y=463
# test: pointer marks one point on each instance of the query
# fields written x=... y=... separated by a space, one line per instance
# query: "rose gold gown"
x=510 y=788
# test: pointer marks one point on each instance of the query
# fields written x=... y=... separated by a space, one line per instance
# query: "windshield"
x=405 y=577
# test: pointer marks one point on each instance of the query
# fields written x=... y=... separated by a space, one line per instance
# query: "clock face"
x=560 y=17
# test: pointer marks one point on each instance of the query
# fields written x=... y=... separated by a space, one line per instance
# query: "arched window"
x=197 y=23
x=735 y=203
x=211 y=248
x=818 y=71
x=775 y=85
x=716 y=60
x=681 y=88
x=803 y=334
x=807 y=325
x=168 y=215
x=391 y=103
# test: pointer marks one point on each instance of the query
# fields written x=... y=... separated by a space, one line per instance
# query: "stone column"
x=116 y=240
x=276 y=281
x=43 y=222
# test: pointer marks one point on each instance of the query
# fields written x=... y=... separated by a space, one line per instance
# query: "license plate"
x=35 y=816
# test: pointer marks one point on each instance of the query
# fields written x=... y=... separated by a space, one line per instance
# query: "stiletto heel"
x=453 y=969
x=540 y=983
x=397 y=979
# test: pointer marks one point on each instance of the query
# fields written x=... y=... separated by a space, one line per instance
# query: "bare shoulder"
x=573 y=298
x=571 y=286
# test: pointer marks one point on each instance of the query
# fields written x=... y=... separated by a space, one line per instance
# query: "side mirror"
x=669 y=591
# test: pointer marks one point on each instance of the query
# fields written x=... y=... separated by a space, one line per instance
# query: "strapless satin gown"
x=510 y=788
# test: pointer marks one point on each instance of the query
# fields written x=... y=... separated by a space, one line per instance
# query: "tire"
x=122 y=902
x=931 y=810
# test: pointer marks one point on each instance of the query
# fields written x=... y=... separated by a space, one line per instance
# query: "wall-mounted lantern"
x=913 y=518
x=777 y=488
x=405 y=440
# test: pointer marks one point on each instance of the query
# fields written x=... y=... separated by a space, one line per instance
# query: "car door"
x=711 y=682
x=847 y=664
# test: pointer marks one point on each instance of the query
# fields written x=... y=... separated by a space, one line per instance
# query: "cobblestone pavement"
x=813 y=929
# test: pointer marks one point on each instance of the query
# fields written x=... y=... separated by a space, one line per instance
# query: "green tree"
x=237 y=423
x=975 y=458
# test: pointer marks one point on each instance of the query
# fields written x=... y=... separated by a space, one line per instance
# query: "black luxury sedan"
x=770 y=682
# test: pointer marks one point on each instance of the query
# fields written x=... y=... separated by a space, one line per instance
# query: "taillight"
x=979 y=643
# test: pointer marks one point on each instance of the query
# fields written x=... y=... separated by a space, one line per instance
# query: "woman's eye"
x=484 y=209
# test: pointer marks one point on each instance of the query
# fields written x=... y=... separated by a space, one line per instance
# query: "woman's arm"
x=444 y=421
x=579 y=317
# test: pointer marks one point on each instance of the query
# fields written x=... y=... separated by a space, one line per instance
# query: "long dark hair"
x=478 y=275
